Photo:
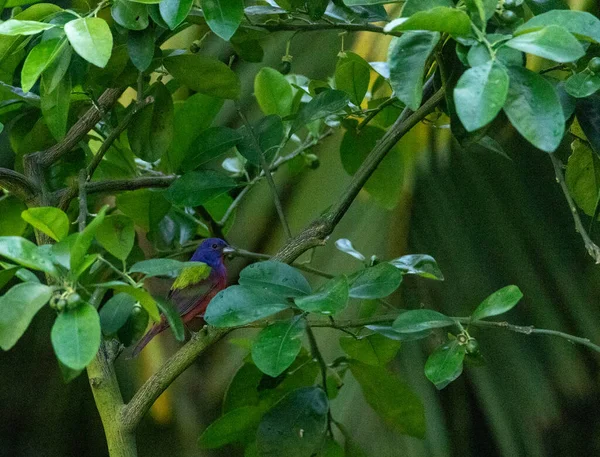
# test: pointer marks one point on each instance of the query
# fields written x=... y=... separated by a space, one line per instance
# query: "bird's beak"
x=228 y=250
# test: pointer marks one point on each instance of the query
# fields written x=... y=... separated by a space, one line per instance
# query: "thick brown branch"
x=18 y=184
x=116 y=185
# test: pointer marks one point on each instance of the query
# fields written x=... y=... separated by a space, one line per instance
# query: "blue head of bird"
x=211 y=252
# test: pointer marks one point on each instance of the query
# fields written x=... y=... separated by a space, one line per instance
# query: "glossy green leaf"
x=352 y=75
x=115 y=312
x=445 y=364
x=230 y=427
x=303 y=409
x=375 y=282
x=174 y=12
x=480 y=94
x=52 y=221
x=82 y=244
x=552 y=42
x=56 y=72
x=276 y=277
x=145 y=206
x=406 y=58
x=116 y=234
x=276 y=346
x=534 y=109
x=129 y=14
x=583 y=177
x=144 y=298
x=269 y=132
x=18 y=306
x=7 y=273
x=542 y=6
x=11 y=223
x=391 y=398
x=583 y=84
x=173 y=318
x=240 y=305
x=198 y=187
x=210 y=144
x=582 y=24
x=243 y=389
x=375 y=349
x=324 y=104
x=419 y=264
x=273 y=92
x=151 y=130
x=499 y=302
x=418 y=320
x=441 y=19
x=91 y=38
x=414 y=6
x=27 y=254
x=205 y=75
x=76 y=336
x=223 y=16
x=588 y=114
x=393 y=334
x=329 y=299
x=385 y=184
x=23 y=27
x=140 y=47
x=169 y=268
x=481 y=9
x=38 y=59
x=55 y=106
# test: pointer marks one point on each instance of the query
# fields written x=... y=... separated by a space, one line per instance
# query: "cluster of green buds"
x=65 y=298
x=471 y=344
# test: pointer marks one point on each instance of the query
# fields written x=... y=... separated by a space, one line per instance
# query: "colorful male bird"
x=193 y=289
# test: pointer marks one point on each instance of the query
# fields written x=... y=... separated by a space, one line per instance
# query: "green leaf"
x=276 y=346
x=329 y=299
x=151 y=130
x=27 y=254
x=210 y=144
x=76 y=336
x=441 y=19
x=581 y=24
x=391 y=398
x=270 y=134
x=588 y=115
x=115 y=312
x=303 y=409
x=14 y=27
x=205 y=75
x=243 y=389
x=198 y=187
x=145 y=206
x=129 y=14
x=385 y=184
x=324 y=104
x=91 y=38
x=375 y=282
x=140 y=47
x=541 y=6
x=56 y=72
x=276 y=277
x=18 y=306
x=419 y=264
x=240 y=305
x=11 y=223
x=223 y=16
x=445 y=364
x=583 y=177
x=499 y=302
x=55 y=105
x=116 y=234
x=273 y=92
x=82 y=244
x=230 y=427
x=52 y=221
x=480 y=94
x=393 y=334
x=169 y=268
x=173 y=318
x=552 y=42
x=376 y=349
x=414 y=6
x=174 y=12
x=534 y=109
x=6 y=274
x=418 y=320
x=406 y=58
x=583 y=84
x=143 y=297
x=352 y=75
x=38 y=59
x=482 y=9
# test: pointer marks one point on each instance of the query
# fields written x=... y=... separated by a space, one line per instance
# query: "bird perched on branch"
x=195 y=287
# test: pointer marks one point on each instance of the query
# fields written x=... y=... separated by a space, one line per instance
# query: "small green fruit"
x=472 y=346
x=509 y=17
x=73 y=300
x=594 y=65
x=285 y=67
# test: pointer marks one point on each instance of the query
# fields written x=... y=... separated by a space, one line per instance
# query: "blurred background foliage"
x=487 y=220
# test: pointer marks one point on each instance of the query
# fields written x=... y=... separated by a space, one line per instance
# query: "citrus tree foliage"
x=111 y=107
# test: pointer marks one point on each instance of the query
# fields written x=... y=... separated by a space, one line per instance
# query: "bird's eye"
x=214 y=246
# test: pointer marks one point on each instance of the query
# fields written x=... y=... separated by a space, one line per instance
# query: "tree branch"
x=80 y=129
x=24 y=188
x=286 y=27
x=116 y=185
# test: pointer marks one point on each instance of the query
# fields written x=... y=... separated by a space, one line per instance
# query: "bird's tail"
x=155 y=330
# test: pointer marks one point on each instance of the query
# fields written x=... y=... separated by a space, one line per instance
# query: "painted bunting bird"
x=194 y=288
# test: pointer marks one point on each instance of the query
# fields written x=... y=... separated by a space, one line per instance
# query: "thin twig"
x=390 y=101
x=592 y=249
x=312 y=27
x=18 y=184
x=83 y=206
